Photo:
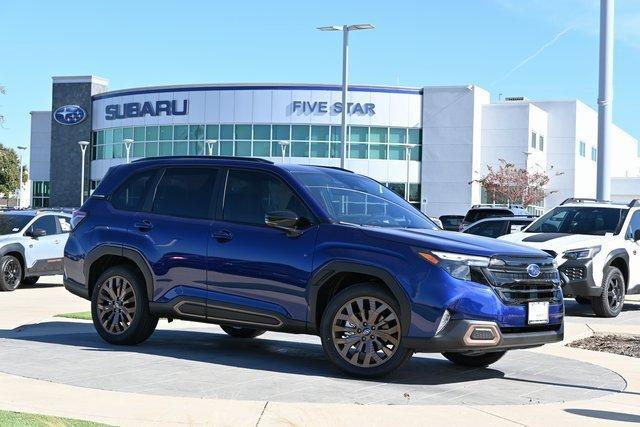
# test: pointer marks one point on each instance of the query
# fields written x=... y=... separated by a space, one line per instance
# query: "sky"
x=541 y=49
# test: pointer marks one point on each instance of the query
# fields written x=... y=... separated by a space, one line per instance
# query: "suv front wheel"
x=10 y=273
x=120 y=307
x=610 y=302
x=361 y=331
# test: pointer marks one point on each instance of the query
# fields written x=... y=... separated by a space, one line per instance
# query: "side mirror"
x=636 y=235
x=36 y=232
x=284 y=220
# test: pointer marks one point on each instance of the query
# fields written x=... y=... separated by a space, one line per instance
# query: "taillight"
x=77 y=217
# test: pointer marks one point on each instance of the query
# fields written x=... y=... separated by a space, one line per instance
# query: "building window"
x=541 y=143
x=583 y=149
x=40 y=196
x=259 y=140
x=594 y=154
x=400 y=187
x=533 y=139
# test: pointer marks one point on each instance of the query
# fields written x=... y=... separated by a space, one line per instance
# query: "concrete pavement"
x=583 y=398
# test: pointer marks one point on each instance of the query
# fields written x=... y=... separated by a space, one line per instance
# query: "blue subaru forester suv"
x=254 y=246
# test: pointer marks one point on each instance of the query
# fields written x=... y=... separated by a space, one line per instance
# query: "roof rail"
x=333 y=167
x=244 y=159
x=582 y=200
x=497 y=205
x=634 y=203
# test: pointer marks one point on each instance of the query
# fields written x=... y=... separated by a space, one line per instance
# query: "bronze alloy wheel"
x=366 y=332
x=116 y=304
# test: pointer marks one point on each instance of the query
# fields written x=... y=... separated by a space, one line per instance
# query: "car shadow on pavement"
x=605 y=415
x=574 y=309
x=272 y=355
x=24 y=287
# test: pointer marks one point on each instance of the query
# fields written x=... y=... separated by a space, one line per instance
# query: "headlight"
x=583 y=253
x=457 y=265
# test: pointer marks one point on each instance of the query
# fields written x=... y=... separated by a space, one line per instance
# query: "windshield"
x=356 y=199
x=13 y=223
x=595 y=221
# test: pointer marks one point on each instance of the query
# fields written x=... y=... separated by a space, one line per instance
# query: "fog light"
x=443 y=321
x=482 y=334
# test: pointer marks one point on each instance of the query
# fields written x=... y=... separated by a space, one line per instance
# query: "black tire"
x=475 y=361
x=350 y=332
x=611 y=301
x=240 y=332
x=142 y=323
x=30 y=281
x=583 y=300
x=10 y=273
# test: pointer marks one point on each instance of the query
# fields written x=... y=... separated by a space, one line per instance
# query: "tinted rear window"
x=185 y=192
x=478 y=214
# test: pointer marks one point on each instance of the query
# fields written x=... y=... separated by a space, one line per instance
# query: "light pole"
x=83 y=147
x=127 y=146
x=283 y=146
x=19 y=198
x=210 y=143
x=605 y=101
x=345 y=77
x=408 y=148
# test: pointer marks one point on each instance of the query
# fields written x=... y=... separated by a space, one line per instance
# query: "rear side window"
x=65 y=223
x=478 y=214
x=130 y=195
x=185 y=192
x=250 y=195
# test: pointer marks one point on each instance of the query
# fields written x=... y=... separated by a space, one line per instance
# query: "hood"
x=558 y=242
x=451 y=241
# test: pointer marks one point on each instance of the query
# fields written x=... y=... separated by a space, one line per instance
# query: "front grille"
x=552 y=253
x=574 y=273
x=513 y=284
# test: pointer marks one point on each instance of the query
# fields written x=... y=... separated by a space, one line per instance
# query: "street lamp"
x=210 y=143
x=127 y=146
x=345 y=71
x=283 y=146
x=83 y=147
x=408 y=148
x=19 y=199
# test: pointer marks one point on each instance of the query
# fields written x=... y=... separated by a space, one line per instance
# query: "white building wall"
x=40 y=150
x=451 y=147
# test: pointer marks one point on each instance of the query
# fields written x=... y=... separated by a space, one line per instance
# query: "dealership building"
x=430 y=144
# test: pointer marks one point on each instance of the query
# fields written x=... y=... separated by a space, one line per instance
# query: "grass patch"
x=81 y=315
x=9 y=418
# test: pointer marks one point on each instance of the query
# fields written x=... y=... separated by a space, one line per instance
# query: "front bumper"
x=456 y=337
x=578 y=285
x=76 y=288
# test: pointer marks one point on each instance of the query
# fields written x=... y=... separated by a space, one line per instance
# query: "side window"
x=185 y=192
x=517 y=226
x=47 y=223
x=634 y=225
x=488 y=229
x=250 y=195
x=130 y=195
x=65 y=223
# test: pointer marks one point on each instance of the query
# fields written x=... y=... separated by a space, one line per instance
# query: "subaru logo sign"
x=533 y=270
x=69 y=114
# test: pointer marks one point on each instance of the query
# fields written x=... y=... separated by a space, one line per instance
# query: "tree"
x=9 y=171
x=515 y=185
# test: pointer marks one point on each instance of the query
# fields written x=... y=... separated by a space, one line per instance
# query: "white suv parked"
x=31 y=245
x=597 y=248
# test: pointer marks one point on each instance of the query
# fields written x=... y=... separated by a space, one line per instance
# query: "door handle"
x=222 y=235
x=143 y=225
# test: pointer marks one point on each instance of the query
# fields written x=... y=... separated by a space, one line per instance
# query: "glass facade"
x=40 y=194
x=312 y=141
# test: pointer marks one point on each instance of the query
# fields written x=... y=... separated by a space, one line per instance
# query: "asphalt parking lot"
x=184 y=359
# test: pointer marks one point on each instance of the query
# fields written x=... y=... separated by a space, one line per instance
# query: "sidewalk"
x=121 y=408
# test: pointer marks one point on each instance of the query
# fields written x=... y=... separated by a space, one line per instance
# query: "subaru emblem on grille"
x=533 y=270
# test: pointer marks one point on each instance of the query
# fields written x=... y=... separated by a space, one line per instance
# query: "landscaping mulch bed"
x=626 y=345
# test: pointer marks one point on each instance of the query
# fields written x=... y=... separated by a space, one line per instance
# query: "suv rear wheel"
x=610 y=302
x=361 y=331
x=10 y=273
x=120 y=307
x=240 y=332
x=476 y=360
